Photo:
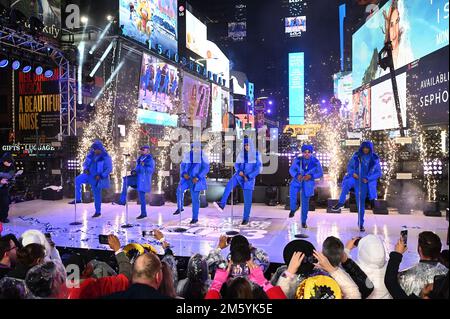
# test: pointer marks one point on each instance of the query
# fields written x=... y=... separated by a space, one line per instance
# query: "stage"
x=269 y=229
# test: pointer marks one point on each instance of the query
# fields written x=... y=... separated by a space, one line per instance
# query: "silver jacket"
x=415 y=278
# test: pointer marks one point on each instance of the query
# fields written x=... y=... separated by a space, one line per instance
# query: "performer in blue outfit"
x=193 y=171
x=140 y=179
x=248 y=165
x=363 y=172
x=96 y=169
x=304 y=170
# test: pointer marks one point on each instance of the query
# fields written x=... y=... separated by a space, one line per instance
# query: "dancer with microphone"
x=304 y=170
x=140 y=179
x=193 y=171
x=363 y=172
x=96 y=170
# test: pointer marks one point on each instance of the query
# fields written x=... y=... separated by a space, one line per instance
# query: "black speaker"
x=431 y=208
x=50 y=194
x=107 y=195
x=157 y=199
x=271 y=196
x=380 y=207
x=86 y=197
x=203 y=201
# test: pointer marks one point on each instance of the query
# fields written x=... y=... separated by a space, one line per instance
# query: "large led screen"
x=295 y=26
x=360 y=115
x=150 y=20
x=416 y=28
x=296 y=88
x=196 y=35
x=195 y=101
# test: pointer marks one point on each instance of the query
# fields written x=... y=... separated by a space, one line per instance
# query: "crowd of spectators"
x=31 y=267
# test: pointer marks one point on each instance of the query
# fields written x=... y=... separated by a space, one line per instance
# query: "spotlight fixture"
x=27 y=68
x=15 y=65
x=4 y=63
x=39 y=70
x=48 y=73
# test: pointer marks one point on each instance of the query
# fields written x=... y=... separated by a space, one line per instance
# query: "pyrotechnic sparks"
x=163 y=157
x=390 y=164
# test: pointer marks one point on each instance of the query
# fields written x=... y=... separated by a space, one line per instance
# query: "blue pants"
x=96 y=191
x=248 y=195
x=361 y=202
x=195 y=196
x=346 y=186
x=131 y=181
x=293 y=191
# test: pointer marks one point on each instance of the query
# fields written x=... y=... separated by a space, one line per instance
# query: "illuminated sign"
x=305 y=129
x=157 y=118
x=296 y=88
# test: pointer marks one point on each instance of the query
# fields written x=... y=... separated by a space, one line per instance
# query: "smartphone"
x=229 y=240
x=103 y=239
x=404 y=235
x=147 y=233
x=357 y=241
x=48 y=235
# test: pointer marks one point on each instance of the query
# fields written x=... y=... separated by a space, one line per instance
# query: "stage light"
x=102 y=35
x=323 y=101
x=269 y=111
x=84 y=20
x=270 y=102
x=16 y=65
x=48 y=73
x=39 y=70
x=4 y=63
x=110 y=18
x=103 y=57
x=27 y=68
x=249 y=103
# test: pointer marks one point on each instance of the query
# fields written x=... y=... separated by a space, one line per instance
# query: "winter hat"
x=307 y=147
x=197 y=269
x=145 y=147
x=318 y=287
x=33 y=236
x=371 y=252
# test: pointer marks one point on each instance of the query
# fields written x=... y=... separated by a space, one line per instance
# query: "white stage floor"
x=269 y=229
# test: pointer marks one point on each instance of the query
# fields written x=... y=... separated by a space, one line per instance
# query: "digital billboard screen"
x=295 y=26
x=158 y=87
x=360 y=115
x=196 y=35
x=416 y=29
x=150 y=20
x=195 y=101
x=237 y=31
x=296 y=88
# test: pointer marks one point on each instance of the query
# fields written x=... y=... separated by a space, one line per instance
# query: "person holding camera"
x=140 y=179
x=96 y=169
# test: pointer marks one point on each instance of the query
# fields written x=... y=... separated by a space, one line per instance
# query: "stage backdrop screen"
x=196 y=35
x=158 y=92
x=427 y=85
x=343 y=91
x=195 y=101
x=295 y=26
x=152 y=20
x=360 y=115
x=417 y=29
x=383 y=112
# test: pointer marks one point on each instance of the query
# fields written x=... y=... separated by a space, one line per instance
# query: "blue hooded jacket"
x=371 y=171
x=250 y=163
x=195 y=165
x=98 y=165
x=301 y=166
x=145 y=166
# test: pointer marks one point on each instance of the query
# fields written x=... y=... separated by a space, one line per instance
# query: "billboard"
x=343 y=91
x=47 y=11
x=237 y=31
x=360 y=115
x=216 y=108
x=196 y=35
x=217 y=62
x=195 y=101
x=427 y=87
x=417 y=28
x=296 y=88
x=37 y=107
x=294 y=26
x=150 y=20
x=158 y=87
x=383 y=111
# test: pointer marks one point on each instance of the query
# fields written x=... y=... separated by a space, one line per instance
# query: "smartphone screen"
x=357 y=241
x=404 y=234
x=147 y=233
x=103 y=239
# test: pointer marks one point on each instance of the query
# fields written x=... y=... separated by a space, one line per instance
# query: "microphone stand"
x=127 y=224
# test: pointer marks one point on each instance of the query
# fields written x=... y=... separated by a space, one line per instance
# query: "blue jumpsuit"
x=250 y=164
x=369 y=169
x=303 y=167
x=196 y=165
x=95 y=165
x=142 y=180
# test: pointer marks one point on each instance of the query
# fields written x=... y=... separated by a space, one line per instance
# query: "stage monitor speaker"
x=86 y=197
x=380 y=207
x=271 y=196
x=50 y=194
x=107 y=195
x=156 y=199
x=431 y=208
x=259 y=194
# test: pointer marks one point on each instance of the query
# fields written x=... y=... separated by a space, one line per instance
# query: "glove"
x=257 y=276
